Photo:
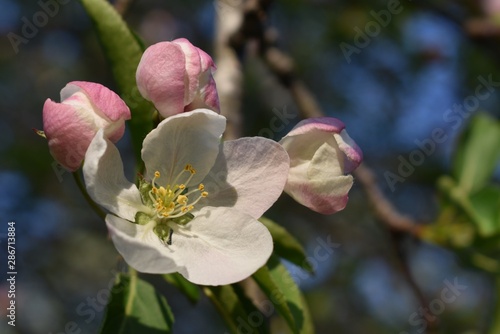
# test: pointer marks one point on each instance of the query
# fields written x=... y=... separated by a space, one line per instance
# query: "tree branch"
x=229 y=77
x=282 y=66
x=382 y=207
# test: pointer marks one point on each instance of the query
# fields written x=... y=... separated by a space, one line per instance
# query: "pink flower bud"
x=321 y=156
x=177 y=76
x=85 y=108
x=491 y=7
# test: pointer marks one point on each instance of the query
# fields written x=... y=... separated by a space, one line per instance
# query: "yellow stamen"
x=181 y=199
x=172 y=201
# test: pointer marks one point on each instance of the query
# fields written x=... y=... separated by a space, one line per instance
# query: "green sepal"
x=183 y=220
x=145 y=189
x=142 y=218
x=164 y=232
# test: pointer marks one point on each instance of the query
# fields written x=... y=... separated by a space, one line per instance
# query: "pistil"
x=172 y=201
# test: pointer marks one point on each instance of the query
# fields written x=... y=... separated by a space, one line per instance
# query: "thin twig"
x=282 y=66
x=404 y=268
x=229 y=77
x=382 y=207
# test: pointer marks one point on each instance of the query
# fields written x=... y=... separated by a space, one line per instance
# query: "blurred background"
x=392 y=71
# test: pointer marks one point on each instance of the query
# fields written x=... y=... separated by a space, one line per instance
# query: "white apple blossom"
x=195 y=212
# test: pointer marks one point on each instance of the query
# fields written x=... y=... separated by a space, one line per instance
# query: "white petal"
x=302 y=148
x=220 y=246
x=324 y=196
x=327 y=161
x=353 y=153
x=249 y=175
x=223 y=246
x=140 y=246
x=187 y=138
x=105 y=180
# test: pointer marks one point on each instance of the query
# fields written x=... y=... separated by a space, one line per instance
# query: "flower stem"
x=81 y=187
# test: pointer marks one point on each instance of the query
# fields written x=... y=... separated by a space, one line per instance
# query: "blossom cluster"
x=196 y=208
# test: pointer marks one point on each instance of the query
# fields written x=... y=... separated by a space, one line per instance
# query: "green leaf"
x=286 y=246
x=485 y=204
x=456 y=195
x=192 y=291
x=273 y=292
x=236 y=309
x=477 y=153
x=478 y=260
x=123 y=51
x=481 y=208
x=255 y=318
x=135 y=307
x=292 y=294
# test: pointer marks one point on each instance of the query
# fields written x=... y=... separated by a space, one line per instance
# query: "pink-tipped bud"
x=321 y=157
x=177 y=77
x=85 y=108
